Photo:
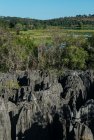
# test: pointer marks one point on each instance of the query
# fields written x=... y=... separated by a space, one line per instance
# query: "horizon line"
x=46 y=18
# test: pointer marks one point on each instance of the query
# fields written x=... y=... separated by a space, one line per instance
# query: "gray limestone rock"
x=5 y=125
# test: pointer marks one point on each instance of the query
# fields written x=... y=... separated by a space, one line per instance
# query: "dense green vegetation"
x=58 y=51
x=78 y=22
x=50 y=48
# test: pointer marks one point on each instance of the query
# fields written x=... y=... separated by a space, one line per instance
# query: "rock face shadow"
x=36 y=132
x=53 y=131
x=56 y=130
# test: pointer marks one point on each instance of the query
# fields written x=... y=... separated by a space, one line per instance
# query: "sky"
x=45 y=9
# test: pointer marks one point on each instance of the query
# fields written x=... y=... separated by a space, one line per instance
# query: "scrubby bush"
x=75 y=57
x=21 y=53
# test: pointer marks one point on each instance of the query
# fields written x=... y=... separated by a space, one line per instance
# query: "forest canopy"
x=78 y=22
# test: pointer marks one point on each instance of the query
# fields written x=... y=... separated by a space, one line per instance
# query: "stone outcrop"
x=5 y=126
x=39 y=105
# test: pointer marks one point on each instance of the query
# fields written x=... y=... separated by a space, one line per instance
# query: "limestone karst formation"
x=39 y=105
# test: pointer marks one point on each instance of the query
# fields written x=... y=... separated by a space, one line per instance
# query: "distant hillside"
x=78 y=22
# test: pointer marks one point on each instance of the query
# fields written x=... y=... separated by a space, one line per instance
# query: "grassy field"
x=45 y=35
